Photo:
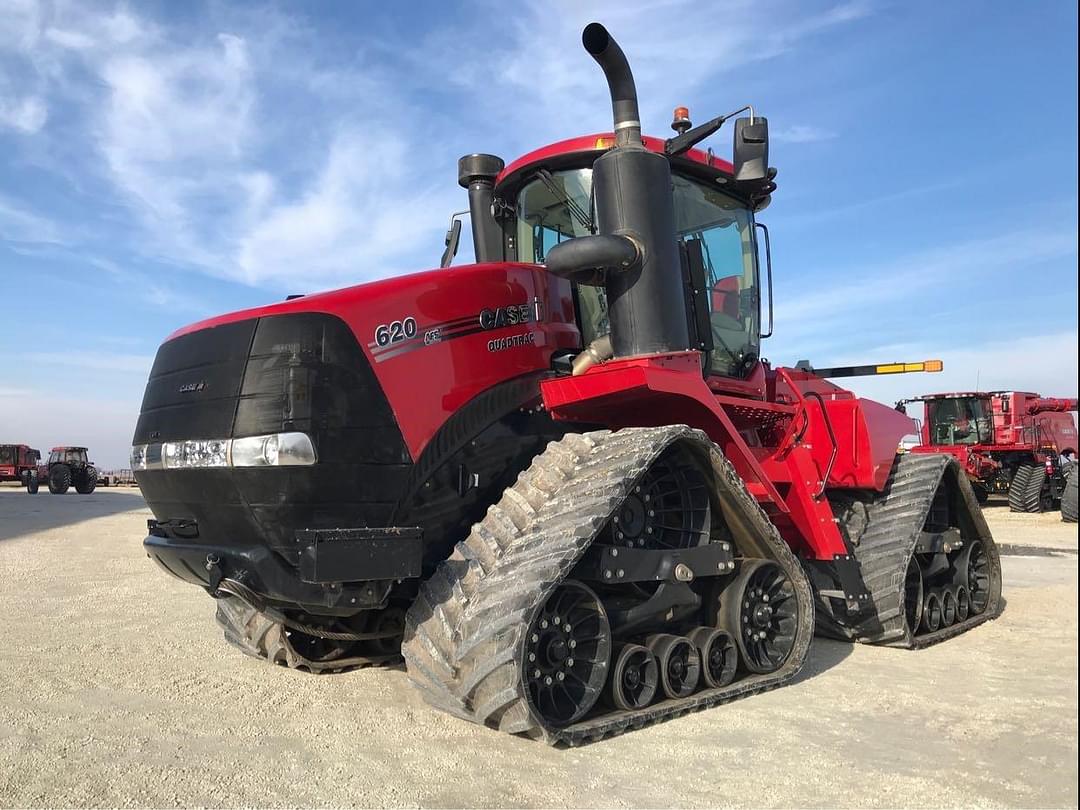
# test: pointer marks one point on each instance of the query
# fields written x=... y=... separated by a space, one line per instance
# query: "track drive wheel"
x=59 y=479
x=758 y=610
x=973 y=572
x=567 y=650
x=86 y=483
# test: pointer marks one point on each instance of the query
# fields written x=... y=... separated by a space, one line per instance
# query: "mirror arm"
x=673 y=147
x=453 y=238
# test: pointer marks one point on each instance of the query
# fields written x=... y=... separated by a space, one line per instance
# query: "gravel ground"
x=117 y=690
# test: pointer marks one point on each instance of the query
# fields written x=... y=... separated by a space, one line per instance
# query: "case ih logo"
x=512 y=315
x=193 y=388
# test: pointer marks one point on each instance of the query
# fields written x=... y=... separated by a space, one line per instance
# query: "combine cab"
x=1008 y=443
x=561 y=482
x=19 y=462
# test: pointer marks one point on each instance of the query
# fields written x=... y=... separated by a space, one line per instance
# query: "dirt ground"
x=116 y=689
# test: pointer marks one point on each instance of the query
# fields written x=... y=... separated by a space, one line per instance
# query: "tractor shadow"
x=22 y=514
x=824 y=654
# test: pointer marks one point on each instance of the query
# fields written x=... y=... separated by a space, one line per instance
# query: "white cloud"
x=19 y=225
x=1045 y=364
x=801 y=133
x=26 y=115
x=96 y=361
x=902 y=280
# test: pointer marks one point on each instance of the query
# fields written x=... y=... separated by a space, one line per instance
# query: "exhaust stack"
x=635 y=256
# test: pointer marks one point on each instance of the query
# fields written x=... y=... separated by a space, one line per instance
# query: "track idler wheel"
x=973 y=572
x=913 y=594
x=567 y=650
x=948 y=606
x=931 y=614
x=759 y=609
x=634 y=677
x=963 y=603
x=679 y=664
x=719 y=658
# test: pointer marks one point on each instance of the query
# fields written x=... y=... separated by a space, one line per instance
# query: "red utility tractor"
x=1008 y=442
x=69 y=466
x=19 y=462
x=561 y=482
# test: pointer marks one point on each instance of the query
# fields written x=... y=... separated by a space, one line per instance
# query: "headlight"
x=138 y=457
x=273 y=450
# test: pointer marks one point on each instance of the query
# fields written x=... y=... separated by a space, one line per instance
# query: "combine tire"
x=915 y=543
x=87 y=481
x=1068 y=498
x=481 y=639
x=59 y=479
x=1026 y=490
x=32 y=482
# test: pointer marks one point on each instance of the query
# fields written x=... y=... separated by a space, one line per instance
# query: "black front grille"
x=303 y=372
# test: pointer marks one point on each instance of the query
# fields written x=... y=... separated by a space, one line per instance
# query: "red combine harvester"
x=561 y=482
x=1008 y=442
x=19 y=462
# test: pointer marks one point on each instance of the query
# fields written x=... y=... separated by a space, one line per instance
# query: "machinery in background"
x=1011 y=443
x=19 y=462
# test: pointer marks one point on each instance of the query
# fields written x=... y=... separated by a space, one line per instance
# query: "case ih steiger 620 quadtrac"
x=19 y=462
x=1007 y=442
x=561 y=480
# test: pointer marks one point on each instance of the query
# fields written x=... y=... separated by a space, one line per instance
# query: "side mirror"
x=453 y=237
x=751 y=151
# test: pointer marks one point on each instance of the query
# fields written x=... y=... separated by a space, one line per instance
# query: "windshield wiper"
x=572 y=206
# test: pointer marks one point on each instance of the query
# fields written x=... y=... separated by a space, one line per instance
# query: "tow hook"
x=213 y=566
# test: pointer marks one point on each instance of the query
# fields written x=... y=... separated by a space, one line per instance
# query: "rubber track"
x=1068 y=497
x=1025 y=489
x=256 y=634
x=464 y=633
x=886 y=535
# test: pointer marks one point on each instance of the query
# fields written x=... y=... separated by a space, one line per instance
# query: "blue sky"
x=162 y=162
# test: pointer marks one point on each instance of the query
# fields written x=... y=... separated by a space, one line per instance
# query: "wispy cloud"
x=188 y=136
x=96 y=361
x=801 y=133
x=20 y=225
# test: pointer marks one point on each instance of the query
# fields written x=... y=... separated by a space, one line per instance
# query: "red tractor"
x=19 y=462
x=69 y=466
x=561 y=482
x=1008 y=442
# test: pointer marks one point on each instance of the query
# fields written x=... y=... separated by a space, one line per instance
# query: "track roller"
x=913 y=595
x=931 y=615
x=963 y=603
x=948 y=606
x=679 y=663
x=634 y=678
x=719 y=657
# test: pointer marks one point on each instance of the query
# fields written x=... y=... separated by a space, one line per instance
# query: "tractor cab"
x=545 y=208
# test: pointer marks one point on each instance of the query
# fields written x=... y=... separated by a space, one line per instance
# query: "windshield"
x=7 y=454
x=959 y=420
x=722 y=225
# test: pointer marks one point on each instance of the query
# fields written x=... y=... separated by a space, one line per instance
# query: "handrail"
x=832 y=438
